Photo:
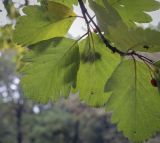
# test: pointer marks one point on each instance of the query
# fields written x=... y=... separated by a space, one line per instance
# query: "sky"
x=79 y=27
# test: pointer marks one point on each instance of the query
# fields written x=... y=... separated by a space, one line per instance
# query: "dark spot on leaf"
x=74 y=85
x=146 y=47
x=0 y=10
x=90 y=57
x=42 y=45
x=9 y=40
x=92 y=93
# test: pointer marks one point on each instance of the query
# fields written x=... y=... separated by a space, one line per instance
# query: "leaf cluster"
x=56 y=65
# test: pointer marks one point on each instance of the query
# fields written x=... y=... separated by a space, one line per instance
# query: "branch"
x=132 y=53
x=106 y=42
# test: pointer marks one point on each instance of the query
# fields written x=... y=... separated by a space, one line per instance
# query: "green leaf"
x=43 y=23
x=156 y=77
x=120 y=35
x=96 y=66
x=50 y=70
x=134 y=101
x=135 y=11
x=68 y=3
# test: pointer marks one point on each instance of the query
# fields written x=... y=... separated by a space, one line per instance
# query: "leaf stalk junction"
x=89 y=20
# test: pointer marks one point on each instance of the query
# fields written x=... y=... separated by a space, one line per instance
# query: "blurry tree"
x=65 y=122
x=7 y=128
x=74 y=124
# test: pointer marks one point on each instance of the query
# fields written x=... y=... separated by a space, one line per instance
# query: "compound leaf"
x=50 y=70
x=134 y=101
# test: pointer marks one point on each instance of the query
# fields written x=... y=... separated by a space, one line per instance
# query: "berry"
x=154 y=82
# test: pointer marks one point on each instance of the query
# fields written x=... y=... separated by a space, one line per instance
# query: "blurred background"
x=24 y=121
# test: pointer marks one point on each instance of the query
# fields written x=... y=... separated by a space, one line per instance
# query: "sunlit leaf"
x=156 y=75
x=120 y=35
x=43 y=22
x=50 y=70
x=135 y=102
x=68 y=3
x=97 y=65
x=133 y=11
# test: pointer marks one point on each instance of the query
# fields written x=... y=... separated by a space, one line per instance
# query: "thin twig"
x=76 y=16
x=79 y=39
x=85 y=12
x=132 y=53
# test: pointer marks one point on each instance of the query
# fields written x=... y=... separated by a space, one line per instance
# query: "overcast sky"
x=78 y=27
